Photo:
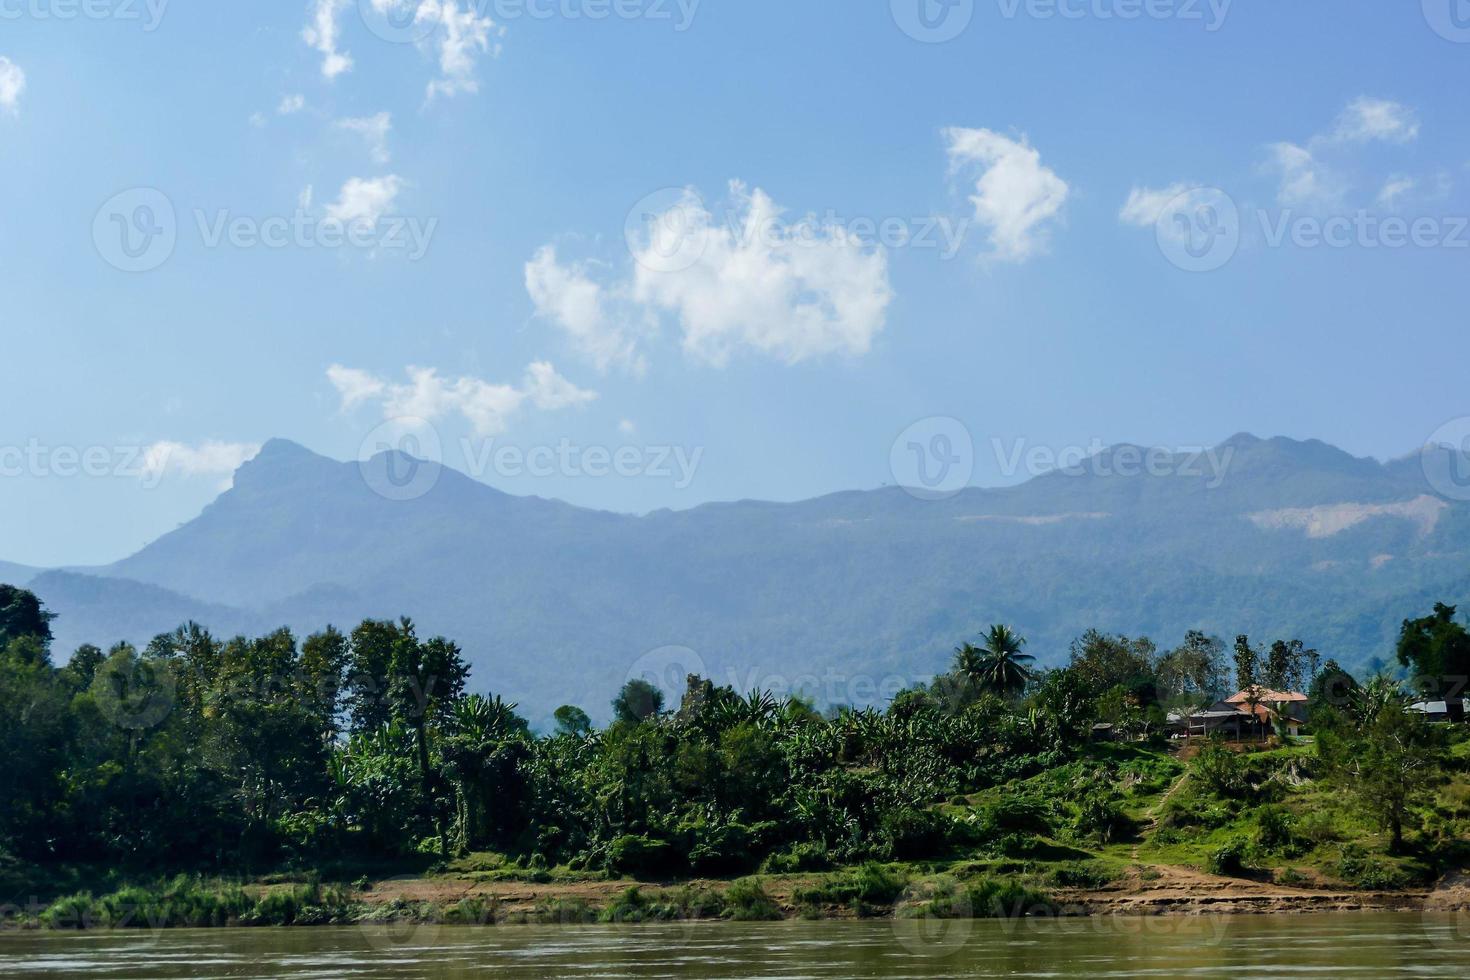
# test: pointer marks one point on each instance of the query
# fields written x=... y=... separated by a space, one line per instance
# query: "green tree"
x=1385 y=756
x=1195 y=669
x=572 y=720
x=22 y=615
x=1003 y=668
x=1288 y=665
x=638 y=701
x=1248 y=677
x=1437 y=649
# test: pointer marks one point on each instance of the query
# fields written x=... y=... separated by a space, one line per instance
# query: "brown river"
x=1316 y=946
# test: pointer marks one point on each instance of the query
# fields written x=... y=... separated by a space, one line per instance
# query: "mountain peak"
x=280 y=461
x=283 y=449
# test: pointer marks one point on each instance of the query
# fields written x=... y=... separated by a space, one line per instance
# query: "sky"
x=639 y=254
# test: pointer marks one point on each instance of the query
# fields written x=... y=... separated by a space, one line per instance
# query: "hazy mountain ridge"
x=556 y=603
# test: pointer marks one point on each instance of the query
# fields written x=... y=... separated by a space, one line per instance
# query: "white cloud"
x=210 y=458
x=749 y=281
x=567 y=297
x=1146 y=205
x=1016 y=197
x=792 y=291
x=12 y=84
x=462 y=34
x=1303 y=178
x=488 y=407
x=257 y=119
x=364 y=199
x=549 y=391
x=354 y=386
x=1394 y=189
x=1366 y=119
x=290 y=105
x=323 y=34
x=304 y=199
x=627 y=427
x=374 y=130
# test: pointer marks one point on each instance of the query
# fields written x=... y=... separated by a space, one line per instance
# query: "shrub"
x=1220 y=771
x=1083 y=874
x=689 y=902
x=564 y=911
x=1275 y=829
x=747 y=900
x=871 y=884
x=640 y=856
x=1319 y=827
x=1021 y=815
x=806 y=856
x=1293 y=878
x=908 y=833
x=631 y=906
x=1100 y=817
x=297 y=905
x=986 y=898
x=1361 y=871
x=472 y=912
x=1229 y=858
x=1006 y=899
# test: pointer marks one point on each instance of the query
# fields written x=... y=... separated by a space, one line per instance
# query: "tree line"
x=248 y=753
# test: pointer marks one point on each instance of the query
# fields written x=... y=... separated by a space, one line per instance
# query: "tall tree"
x=22 y=615
x=1388 y=758
x=1004 y=668
x=1248 y=676
x=1437 y=649
x=637 y=701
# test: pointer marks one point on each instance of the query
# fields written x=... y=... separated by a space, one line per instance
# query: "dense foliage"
x=198 y=753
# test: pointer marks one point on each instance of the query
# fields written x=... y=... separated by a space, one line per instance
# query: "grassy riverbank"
x=1272 y=838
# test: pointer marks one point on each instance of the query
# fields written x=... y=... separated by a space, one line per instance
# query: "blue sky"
x=782 y=354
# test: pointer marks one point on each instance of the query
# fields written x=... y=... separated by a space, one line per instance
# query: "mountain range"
x=855 y=592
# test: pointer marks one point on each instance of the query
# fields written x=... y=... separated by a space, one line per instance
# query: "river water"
x=1317 y=946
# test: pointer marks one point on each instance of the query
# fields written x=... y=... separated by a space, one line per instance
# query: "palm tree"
x=999 y=666
x=969 y=663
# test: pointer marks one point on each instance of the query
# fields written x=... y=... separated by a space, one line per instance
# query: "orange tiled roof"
x=1265 y=695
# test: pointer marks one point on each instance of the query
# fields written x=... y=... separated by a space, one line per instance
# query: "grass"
x=1290 y=830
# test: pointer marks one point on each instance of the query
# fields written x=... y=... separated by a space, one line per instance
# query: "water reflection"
x=1403 y=945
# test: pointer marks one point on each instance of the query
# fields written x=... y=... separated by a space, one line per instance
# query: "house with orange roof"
x=1268 y=706
x=1233 y=717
